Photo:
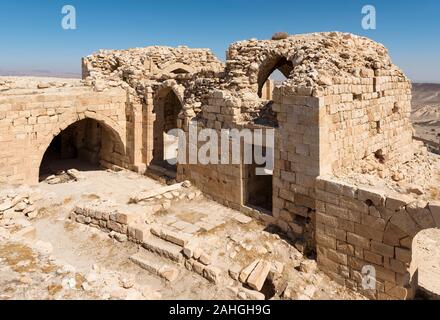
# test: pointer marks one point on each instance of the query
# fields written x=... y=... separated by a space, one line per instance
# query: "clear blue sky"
x=32 y=38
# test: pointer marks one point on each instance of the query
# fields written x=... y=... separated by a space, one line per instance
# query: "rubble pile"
x=17 y=203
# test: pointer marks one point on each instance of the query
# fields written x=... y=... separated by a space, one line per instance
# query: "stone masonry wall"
x=366 y=117
x=297 y=163
x=358 y=227
x=29 y=122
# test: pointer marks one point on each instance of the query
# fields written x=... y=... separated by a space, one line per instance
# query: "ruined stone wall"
x=343 y=102
x=149 y=73
x=297 y=164
x=222 y=181
x=140 y=69
x=366 y=117
x=358 y=227
x=29 y=122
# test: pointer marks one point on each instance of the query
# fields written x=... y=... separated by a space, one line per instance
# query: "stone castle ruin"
x=341 y=114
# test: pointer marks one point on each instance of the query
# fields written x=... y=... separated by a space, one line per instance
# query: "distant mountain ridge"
x=425 y=94
x=39 y=73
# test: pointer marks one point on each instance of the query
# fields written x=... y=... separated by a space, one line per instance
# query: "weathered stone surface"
x=169 y=273
x=434 y=207
x=308 y=266
x=421 y=214
x=246 y=272
x=155 y=266
x=163 y=249
x=396 y=202
x=247 y=294
x=258 y=275
x=404 y=221
x=242 y=218
x=212 y=273
x=234 y=271
x=205 y=259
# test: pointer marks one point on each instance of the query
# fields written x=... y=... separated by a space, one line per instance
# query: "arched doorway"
x=84 y=145
x=167 y=107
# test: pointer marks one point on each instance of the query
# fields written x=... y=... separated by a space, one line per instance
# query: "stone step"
x=178 y=238
x=163 y=248
x=160 y=173
x=155 y=265
x=148 y=194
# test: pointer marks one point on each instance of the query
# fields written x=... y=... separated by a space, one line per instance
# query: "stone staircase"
x=163 y=248
x=164 y=252
x=167 y=247
x=159 y=257
x=156 y=265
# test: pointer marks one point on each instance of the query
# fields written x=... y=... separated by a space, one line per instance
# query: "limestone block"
x=326 y=219
x=404 y=222
x=358 y=240
x=124 y=218
x=169 y=273
x=434 y=207
x=234 y=271
x=382 y=249
x=325 y=240
x=205 y=259
x=327 y=265
x=198 y=268
x=377 y=197
x=403 y=255
x=419 y=211
x=258 y=276
x=369 y=232
x=373 y=257
x=397 y=201
x=245 y=273
x=212 y=273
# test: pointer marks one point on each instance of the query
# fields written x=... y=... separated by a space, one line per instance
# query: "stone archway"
x=265 y=70
x=178 y=68
x=88 y=138
x=404 y=226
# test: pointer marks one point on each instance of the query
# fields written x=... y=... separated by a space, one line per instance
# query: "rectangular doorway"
x=257 y=187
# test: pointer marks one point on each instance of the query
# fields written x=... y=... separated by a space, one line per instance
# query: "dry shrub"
x=280 y=36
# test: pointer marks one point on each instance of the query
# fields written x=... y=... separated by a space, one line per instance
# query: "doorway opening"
x=258 y=185
x=167 y=107
x=82 y=146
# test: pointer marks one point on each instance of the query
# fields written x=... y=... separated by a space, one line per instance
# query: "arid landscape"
x=426 y=113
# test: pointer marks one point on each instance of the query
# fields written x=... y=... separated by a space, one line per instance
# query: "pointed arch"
x=269 y=66
x=178 y=68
